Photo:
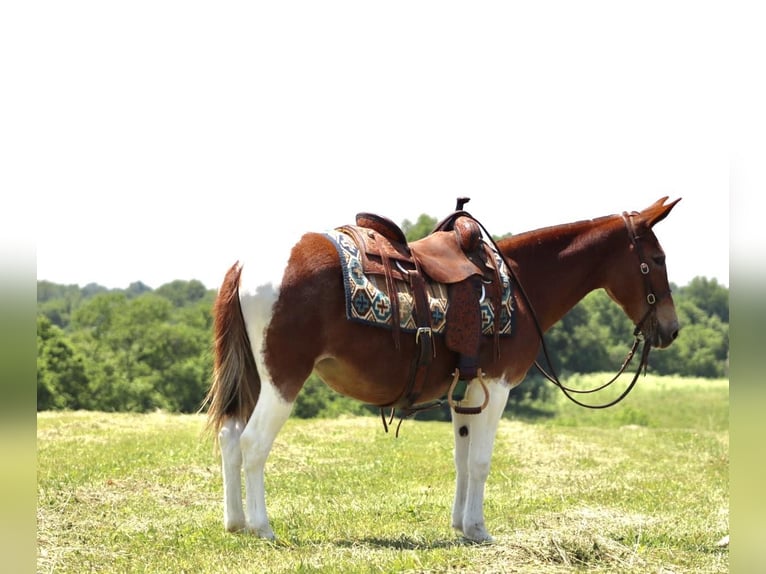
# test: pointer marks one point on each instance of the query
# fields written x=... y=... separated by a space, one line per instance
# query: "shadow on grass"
x=526 y=412
x=407 y=543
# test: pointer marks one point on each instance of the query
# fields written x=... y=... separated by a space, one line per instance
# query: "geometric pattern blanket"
x=367 y=299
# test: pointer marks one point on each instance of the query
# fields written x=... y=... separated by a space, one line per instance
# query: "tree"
x=422 y=227
x=62 y=382
x=95 y=318
x=709 y=296
x=137 y=288
x=182 y=293
x=702 y=346
x=57 y=301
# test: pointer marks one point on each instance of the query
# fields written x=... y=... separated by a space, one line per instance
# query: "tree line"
x=140 y=349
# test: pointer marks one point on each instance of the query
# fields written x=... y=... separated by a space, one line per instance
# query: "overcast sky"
x=164 y=140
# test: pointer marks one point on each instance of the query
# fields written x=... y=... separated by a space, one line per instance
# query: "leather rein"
x=651 y=299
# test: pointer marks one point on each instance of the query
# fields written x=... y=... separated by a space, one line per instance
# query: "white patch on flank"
x=257 y=296
x=267 y=262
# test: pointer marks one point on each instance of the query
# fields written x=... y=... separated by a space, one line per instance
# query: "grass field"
x=641 y=487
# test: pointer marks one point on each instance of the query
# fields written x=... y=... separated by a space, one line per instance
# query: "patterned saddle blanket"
x=368 y=301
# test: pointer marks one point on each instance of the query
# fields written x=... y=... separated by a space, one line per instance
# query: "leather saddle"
x=445 y=256
x=454 y=254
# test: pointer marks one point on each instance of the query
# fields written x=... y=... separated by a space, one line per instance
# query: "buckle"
x=424 y=330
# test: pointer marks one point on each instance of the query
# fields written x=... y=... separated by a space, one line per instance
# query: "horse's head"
x=639 y=282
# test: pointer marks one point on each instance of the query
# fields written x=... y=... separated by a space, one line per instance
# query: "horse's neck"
x=558 y=266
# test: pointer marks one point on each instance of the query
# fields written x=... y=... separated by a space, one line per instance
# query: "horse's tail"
x=236 y=383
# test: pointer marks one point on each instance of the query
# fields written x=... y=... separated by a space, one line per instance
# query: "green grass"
x=641 y=487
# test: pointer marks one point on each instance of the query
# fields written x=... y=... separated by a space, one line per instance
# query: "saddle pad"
x=367 y=300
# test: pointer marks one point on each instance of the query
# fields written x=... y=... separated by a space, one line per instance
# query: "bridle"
x=651 y=299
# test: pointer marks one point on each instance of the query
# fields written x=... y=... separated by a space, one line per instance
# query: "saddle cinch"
x=453 y=254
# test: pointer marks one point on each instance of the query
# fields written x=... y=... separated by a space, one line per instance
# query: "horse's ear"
x=657 y=211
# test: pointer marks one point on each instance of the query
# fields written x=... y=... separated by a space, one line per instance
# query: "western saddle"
x=454 y=254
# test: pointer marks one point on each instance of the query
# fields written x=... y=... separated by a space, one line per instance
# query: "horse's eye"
x=659 y=259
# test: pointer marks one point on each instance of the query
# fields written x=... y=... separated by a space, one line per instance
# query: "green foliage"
x=182 y=293
x=62 y=381
x=702 y=348
x=576 y=342
x=709 y=296
x=137 y=288
x=56 y=302
x=422 y=227
x=133 y=350
x=596 y=336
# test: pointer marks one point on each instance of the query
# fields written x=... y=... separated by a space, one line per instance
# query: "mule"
x=270 y=338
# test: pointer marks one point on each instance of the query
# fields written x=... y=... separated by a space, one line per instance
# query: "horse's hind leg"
x=267 y=419
x=231 y=467
x=474 y=438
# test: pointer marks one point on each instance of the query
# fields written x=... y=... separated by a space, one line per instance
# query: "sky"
x=157 y=141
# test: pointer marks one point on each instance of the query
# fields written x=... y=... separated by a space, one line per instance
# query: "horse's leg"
x=231 y=467
x=460 y=430
x=267 y=419
x=474 y=438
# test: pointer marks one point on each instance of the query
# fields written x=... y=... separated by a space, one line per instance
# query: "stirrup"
x=467 y=410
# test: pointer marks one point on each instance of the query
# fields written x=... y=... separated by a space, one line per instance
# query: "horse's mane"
x=549 y=233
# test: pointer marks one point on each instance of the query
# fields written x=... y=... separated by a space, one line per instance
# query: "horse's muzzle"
x=664 y=335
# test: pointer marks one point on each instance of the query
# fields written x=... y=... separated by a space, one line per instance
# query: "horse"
x=269 y=338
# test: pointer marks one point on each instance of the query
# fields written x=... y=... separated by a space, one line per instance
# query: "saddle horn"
x=461 y=201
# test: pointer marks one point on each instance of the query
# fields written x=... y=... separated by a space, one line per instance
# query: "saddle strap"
x=496 y=295
x=392 y=296
x=423 y=338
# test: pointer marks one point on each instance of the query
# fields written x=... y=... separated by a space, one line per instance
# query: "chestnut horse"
x=269 y=339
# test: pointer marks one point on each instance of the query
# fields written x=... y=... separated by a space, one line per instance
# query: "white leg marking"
x=460 y=428
x=231 y=468
x=474 y=439
x=267 y=419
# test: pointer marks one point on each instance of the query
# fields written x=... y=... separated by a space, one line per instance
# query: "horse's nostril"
x=674 y=335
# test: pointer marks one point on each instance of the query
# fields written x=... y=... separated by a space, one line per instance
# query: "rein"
x=637 y=332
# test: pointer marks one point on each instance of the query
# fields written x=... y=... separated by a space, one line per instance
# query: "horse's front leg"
x=460 y=428
x=474 y=438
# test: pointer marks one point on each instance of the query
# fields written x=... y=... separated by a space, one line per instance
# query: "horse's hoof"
x=478 y=535
x=485 y=539
x=262 y=532
x=234 y=524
